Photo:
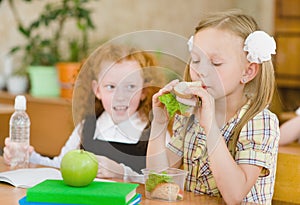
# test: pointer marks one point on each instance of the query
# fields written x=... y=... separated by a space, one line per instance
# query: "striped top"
x=257 y=145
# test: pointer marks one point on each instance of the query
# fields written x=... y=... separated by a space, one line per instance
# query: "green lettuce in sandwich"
x=180 y=100
x=172 y=105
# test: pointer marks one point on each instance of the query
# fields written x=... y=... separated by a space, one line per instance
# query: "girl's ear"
x=96 y=89
x=250 y=72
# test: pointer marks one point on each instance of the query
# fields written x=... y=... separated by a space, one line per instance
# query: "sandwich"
x=166 y=191
x=183 y=96
x=180 y=100
x=162 y=186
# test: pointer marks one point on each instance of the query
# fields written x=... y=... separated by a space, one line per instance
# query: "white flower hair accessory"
x=190 y=43
x=259 y=46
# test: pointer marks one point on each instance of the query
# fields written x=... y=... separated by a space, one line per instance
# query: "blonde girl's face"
x=119 y=87
x=218 y=60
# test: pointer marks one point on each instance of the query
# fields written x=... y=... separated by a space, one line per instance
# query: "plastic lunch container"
x=166 y=185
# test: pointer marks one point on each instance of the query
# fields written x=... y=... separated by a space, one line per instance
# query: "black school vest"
x=132 y=155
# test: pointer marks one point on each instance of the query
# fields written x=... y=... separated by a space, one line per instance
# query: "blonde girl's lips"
x=203 y=85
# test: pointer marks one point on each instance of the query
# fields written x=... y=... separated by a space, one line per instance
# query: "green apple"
x=79 y=168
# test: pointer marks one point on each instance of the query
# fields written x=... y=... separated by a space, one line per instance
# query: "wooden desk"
x=10 y=195
x=5 y=112
x=6 y=109
x=287 y=184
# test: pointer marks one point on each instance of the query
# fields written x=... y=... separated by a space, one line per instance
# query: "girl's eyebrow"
x=216 y=57
x=130 y=82
x=210 y=56
x=107 y=82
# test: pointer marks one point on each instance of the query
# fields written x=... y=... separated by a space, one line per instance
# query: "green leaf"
x=172 y=105
x=34 y=25
x=182 y=107
x=24 y=31
x=15 y=49
x=154 y=179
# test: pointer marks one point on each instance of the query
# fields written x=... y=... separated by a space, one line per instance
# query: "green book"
x=104 y=193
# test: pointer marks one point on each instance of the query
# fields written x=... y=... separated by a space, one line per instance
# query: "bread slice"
x=180 y=89
x=188 y=101
x=165 y=191
x=186 y=98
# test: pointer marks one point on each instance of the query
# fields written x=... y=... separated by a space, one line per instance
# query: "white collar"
x=128 y=131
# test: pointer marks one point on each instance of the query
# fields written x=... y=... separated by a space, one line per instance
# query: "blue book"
x=24 y=202
x=134 y=201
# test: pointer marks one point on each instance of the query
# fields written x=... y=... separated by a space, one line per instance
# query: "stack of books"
x=53 y=192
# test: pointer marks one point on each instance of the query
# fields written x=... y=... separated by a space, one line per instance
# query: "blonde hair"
x=261 y=88
x=83 y=94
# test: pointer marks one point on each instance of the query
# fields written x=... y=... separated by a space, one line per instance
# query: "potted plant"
x=46 y=41
x=17 y=81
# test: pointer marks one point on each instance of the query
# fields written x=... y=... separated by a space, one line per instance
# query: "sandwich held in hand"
x=180 y=100
x=79 y=168
x=181 y=89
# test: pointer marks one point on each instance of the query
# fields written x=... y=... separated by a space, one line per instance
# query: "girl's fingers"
x=6 y=155
x=169 y=87
x=31 y=149
x=206 y=112
x=7 y=141
x=200 y=92
x=166 y=89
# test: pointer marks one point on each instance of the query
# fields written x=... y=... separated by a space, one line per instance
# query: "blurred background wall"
x=117 y=17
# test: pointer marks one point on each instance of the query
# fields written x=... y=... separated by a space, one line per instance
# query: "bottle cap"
x=20 y=102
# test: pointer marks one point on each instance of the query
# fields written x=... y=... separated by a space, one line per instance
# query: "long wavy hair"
x=85 y=102
x=260 y=90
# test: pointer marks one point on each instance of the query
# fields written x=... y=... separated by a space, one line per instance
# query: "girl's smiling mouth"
x=120 y=108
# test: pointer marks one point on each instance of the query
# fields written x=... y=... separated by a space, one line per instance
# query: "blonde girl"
x=229 y=146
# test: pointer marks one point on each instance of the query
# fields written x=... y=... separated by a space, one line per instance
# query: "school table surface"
x=6 y=109
x=10 y=195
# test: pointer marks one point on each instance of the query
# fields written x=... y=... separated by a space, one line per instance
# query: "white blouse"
x=128 y=131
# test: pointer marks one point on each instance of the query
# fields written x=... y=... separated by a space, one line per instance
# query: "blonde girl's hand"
x=7 y=150
x=205 y=112
x=108 y=168
x=166 y=89
x=159 y=111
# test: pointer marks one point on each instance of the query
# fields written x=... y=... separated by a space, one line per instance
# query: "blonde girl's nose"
x=196 y=74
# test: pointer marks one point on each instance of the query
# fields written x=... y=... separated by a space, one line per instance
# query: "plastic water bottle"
x=19 y=132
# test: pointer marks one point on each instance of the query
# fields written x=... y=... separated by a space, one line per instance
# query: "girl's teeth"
x=120 y=108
